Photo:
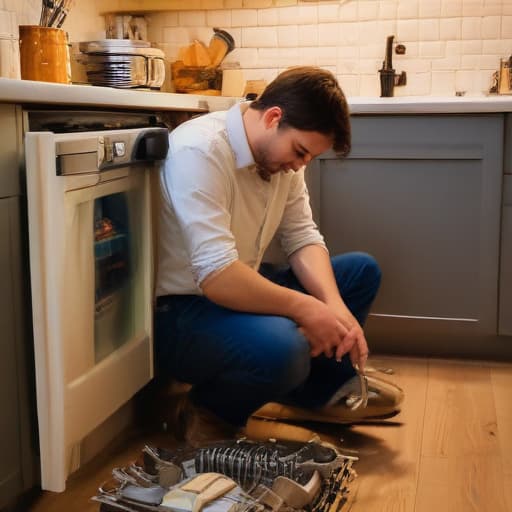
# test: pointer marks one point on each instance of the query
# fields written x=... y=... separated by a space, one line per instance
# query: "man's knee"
x=289 y=359
x=370 y=269
x=360 y=268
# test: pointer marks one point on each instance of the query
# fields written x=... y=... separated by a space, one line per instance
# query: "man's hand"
x=321 y=328
x=354 y=343
x=312 y=266
x=333 y=334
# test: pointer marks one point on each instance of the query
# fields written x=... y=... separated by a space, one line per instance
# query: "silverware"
x=362 y=401
x=54 y=12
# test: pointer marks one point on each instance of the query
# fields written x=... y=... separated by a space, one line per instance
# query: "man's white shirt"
x=215 y=208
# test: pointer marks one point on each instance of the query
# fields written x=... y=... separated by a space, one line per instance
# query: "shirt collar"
x=237 y=136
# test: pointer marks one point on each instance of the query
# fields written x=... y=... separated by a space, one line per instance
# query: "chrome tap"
x=388 y=78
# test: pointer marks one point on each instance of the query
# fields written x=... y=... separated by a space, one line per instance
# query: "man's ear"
x=272 y=117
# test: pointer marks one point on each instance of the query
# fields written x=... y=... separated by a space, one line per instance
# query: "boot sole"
x=319 y=418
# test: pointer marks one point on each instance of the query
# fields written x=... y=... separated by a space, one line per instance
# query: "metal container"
x=123 y=63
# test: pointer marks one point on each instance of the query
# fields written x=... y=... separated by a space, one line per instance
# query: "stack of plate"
x=123 y=63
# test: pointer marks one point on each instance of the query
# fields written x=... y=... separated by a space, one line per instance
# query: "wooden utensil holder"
x=44 y=54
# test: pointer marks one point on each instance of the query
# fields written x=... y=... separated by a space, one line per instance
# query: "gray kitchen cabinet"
x=423 y=195
x=505 y=296
x=18 y=442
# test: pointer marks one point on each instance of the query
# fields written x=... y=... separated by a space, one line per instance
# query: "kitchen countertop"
x=30 y=92
x=430 y=104
x=46 y=93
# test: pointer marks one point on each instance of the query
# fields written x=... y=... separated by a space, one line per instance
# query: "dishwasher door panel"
x=91 y=276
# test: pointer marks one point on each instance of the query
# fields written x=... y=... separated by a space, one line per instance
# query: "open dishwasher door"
x=91 y=271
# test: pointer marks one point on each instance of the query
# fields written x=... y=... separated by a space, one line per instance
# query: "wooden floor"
x=449 y=450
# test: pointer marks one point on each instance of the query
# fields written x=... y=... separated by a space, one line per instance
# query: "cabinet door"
x=422 y=194
x=18 y=435
x=505 y=316
x=9 y=151
x=11 y=479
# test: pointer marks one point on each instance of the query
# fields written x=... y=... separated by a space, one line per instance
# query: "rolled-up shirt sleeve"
x=297 y=228
x=200 y=191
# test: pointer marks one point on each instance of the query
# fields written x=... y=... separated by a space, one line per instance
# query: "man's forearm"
x=312 y=267
x=324 y=324
x=241 y=288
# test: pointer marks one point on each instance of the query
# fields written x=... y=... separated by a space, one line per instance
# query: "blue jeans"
x=236 y=361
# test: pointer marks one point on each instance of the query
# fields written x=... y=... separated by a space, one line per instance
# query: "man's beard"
x=263 y=164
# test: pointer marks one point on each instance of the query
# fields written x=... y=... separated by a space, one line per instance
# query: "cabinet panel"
x=11 y=482
x=9 y=156
x=507 y=160
x=505 y=318
x=18 y=436
x=422 y=194
x=419 y=224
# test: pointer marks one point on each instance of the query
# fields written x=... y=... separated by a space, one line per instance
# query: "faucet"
x=388 y=78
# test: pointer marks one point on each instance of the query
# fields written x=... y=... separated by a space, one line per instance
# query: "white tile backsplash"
x=328 y=13
x=288 y=36
x=328 y=34
x=288 y=15
x=506 y=26
x=267 y=17
x=429 y=30
x=408 y=9
x=218 y=18
x=495 y=46
x=308 y=35
x=348 y=34
x=448 y=63
x=388 y=9
x=249 y=56
x=407 y=30
x=350 y=84
x=192 y=18
x=432 y=49
x=328 y=57
x=176 y=35
x=443 y=83
x=451 y=8
x=259 y=37
x=471 y=28
x=472 y=47
x=472 y=7
x=431 y=9
x=492 y=7
x=244 y=17
x=308 y=14
x=368 y=10
x=348 y=12
x=451 y=45
x=491 y=27
x=450 y=28
x=470 y=62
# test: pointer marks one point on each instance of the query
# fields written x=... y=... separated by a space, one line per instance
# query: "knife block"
x=44 y=54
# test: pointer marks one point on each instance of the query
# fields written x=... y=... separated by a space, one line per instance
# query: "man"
x=243 y=333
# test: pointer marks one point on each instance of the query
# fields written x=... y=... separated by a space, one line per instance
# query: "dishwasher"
x=89 y=178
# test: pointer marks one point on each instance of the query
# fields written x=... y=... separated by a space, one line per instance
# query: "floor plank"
x=84 y=484
x=450 y=449
x=460 y=411
x=460 y=455
x=501 y=378
x=390 y=452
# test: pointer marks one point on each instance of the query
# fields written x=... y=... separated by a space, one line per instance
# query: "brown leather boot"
x=197 y=426
x=384 y=401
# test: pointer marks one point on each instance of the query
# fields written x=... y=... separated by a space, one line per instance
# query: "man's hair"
x=311 y=100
